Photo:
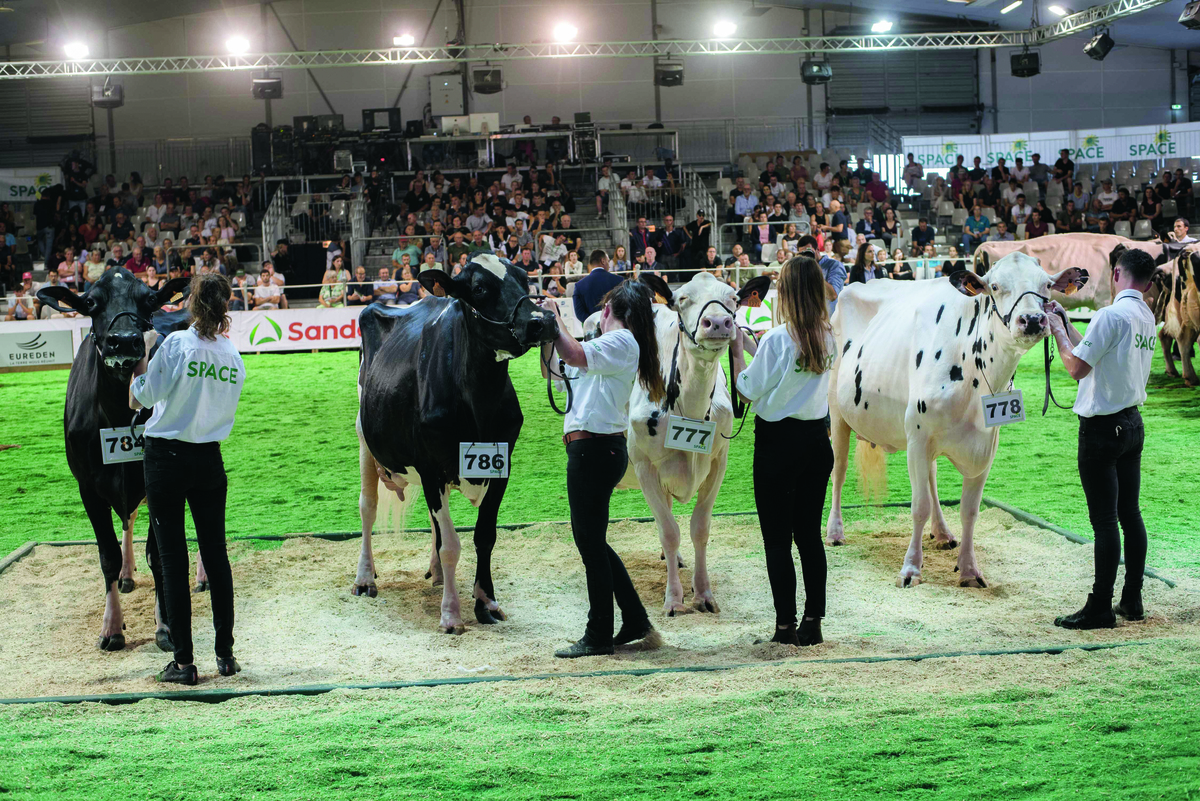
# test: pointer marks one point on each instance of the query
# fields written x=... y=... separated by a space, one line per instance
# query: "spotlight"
x=565 y=32
x=1098 y=48
x=76 y=50
x=668 y=73
x=724 y=29
x=1190 y=18
x=1058 y=11
x=816 y=72
x=1011 y=7
x=237 y=45
x=404 y=40
x=883 y=26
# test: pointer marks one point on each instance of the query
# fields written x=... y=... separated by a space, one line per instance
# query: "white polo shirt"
x=194 y=385
x=1119 y=345
x=602 y=388
x=777 y=383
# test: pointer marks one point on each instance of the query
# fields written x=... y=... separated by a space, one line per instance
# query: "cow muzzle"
x=1032 y=325
x=716 y=328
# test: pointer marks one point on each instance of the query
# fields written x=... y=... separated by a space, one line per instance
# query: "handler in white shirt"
x=603 y=372
x=193 y=382
x=1111 y=361
x=788 y=383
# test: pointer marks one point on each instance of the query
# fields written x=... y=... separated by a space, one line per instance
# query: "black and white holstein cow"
x=121 y=307
x=695 y=329
x=433 y=375
x=915 y=357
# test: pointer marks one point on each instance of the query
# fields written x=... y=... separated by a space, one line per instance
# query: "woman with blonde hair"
x=788 y=383
x=333 y=292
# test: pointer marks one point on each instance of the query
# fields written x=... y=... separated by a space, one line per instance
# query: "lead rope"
x=740 y=408
x=550 y=376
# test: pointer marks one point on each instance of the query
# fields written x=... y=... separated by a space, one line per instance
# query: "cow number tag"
x=1003 y=408
x=685 y=434
x=117 y=445
x=483 y=460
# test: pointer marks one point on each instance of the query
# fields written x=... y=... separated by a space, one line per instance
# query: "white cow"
x=691 y=367
x=914 y=359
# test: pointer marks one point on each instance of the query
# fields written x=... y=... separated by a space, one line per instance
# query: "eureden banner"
x=1087 y=145
x=25 y=184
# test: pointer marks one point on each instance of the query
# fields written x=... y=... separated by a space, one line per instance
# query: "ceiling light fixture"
x=1011 y=7
x=404 y=40
x=76 y=50
x=724 y=29
x=883 y=26
x=565 y=32
x=237 y=45
x=1059 y=10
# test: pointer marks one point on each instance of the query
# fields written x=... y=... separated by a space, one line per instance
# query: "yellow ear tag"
x=175 y=297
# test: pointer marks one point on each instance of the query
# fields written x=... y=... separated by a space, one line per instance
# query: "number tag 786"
x=483 y=460
x=1003 y=408
x=685 y=434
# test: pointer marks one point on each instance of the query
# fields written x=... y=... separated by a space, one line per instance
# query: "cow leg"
x=487 y=610
x=1166 y=341
x=112 y=637
x=668 y=535
x=922 y=503
x=702 y=598
x=125 y=579
x=968 y=568
x=435 y=561
x=368 y=504
x=939 y=532
x=162 y=632
x=449 y=550
x=1187 y=338
x=840 y=434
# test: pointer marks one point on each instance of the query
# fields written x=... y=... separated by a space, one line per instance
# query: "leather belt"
x=577 y=435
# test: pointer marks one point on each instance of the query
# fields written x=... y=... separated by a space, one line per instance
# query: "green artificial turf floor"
x=292 y=459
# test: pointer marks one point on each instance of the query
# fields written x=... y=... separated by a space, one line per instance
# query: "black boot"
x=1091 y=616
x=786 y=635
x=586 y=646
x=810 y=631
x=1130 y=606
x=228 y=666
x=632 y=632
x=177 y=675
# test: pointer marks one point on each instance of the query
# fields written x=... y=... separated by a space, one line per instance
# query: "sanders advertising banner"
x=1144 y=142
x=295 y=329
x=25 y=184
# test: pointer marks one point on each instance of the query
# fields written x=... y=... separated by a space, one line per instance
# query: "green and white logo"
x=266 y=337
x=1161 y=144
x=950 y=147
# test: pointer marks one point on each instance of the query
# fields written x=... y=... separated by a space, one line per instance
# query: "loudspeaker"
x=487 y=81
x=816 y=72
x=330 y=123
x=381 y=119
x=260 y=148
x=1190 y=18
x=668 y=73
x=1026 y=65
x=110 y=95
x=1098 y=48
x=304 y=127
x=266 y=88
x=414 y=128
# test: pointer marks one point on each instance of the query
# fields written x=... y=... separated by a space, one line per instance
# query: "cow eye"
x=995 y=287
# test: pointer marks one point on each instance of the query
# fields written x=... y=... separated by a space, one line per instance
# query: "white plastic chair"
x=1123 y=228
x=1141 y=229
x=958 y=217
x=1020 y=231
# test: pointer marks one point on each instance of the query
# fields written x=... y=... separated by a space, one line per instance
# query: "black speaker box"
x=1026 y=65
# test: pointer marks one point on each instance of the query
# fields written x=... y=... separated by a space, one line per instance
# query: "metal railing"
x=698 y=195
x=358 y=230
x=194 y=157
x=275 y=221
x=618 y=220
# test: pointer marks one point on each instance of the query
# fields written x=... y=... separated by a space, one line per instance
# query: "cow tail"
x=871 y=463
x=392 y=513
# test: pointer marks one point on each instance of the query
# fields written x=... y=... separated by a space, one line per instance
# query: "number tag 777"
x=685 y=434
x=1003 y=408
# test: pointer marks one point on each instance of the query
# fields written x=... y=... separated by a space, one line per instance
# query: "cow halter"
x=692 y=334
x=1006 y=317
x=142 y=323
x=511 y=325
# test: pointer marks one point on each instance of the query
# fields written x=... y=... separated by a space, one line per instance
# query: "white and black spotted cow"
x=915 y=357
x=433 y=375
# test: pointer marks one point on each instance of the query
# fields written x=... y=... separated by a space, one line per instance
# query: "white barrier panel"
x=1143 y=142
x=25 y=184
x=30 y=343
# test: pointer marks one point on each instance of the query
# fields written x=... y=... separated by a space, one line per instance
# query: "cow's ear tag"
x=439 y=290
x=1071 y=288
x=175 y=297
x=970 y=289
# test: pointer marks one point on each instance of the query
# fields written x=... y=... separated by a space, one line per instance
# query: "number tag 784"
x=1003 y=408
x=685 y=434
x=117 y=445
x=483 y=460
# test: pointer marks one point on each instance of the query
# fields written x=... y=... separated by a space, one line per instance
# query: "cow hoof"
x=201 y=586
x=455 y=630
x=975 y=582
x=370 y=590
x=162 y=638
x=673 y=609
x=946 y=545
x=125 y=585
x=705 y=605
x=488 y=616
x=115 y=642
x=908 y=581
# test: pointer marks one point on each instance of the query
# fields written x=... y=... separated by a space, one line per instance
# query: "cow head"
x=496 y=292
x=1017 y=287
x=120 y=306
x=706 y=307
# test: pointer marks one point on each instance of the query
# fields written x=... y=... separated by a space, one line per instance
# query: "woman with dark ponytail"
x=788 y=383
x=604 y=370
x=193 y=382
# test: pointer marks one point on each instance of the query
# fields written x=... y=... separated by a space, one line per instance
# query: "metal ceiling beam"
x=1098 y=15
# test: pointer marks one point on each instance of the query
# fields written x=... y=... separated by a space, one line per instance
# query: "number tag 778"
x=685 y=434
x=1003 y=408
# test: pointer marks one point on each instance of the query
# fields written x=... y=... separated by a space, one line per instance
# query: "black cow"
x=431 y=376
x=121 y=307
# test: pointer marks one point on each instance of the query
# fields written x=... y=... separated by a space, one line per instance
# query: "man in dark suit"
x=592 y=288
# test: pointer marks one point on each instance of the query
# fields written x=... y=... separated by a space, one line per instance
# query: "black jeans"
x=594 y=466
x=176 y=472
x=792 y=463
x=1110 y=469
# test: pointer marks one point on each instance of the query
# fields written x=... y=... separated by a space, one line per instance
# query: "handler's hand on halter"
x=1056 y=314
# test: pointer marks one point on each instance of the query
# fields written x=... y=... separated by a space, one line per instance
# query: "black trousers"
x=594 y=466
x=792 y=463
x=1110 y=469
x=179 y=472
